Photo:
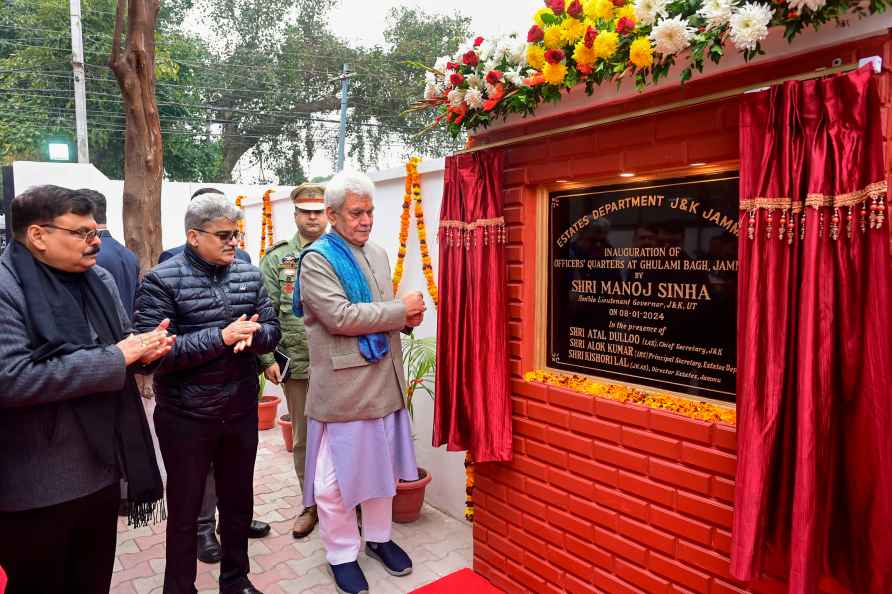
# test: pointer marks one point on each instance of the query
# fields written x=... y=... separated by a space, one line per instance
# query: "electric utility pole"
x=342 y=133
x=80 y=90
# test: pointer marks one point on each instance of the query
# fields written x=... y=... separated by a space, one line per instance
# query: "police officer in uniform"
x=279 y=268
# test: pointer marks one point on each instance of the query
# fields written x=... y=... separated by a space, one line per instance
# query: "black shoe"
x=392 y=557
x=349 y=578
x=258 y=529
x=209 y=548
x=249 y=589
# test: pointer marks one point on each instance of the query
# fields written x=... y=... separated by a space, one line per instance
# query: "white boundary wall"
x=447 y=490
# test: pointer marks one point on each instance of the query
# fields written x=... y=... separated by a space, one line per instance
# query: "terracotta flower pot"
x=410 y=497
x=287 y=431
x=266 y=412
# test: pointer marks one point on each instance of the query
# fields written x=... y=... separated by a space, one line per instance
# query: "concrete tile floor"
x=437 y=543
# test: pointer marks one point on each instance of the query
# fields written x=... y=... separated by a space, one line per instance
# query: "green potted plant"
x=420 y=362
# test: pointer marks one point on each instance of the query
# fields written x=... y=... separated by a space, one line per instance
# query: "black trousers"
x=67 y=548
x=189 y=447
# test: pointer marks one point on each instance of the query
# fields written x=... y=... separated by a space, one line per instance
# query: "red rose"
x=625 y=25
x=456 y=79
x=619 y=3
x=535 y=34
x=452 y=65
x=478 y=41
x=590 y=35
x=556 y=6
x=493 y=77
x=554 y=56
x=470 y=58
x=575 y=9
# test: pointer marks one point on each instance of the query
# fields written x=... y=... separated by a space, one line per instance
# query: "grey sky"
x=362 y=21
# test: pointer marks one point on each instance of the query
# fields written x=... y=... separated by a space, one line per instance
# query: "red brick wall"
x=602 y=496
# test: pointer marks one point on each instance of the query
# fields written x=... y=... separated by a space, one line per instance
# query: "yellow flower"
x=598 y=9
x=538 y=16
x=535 y=56
x=627 y=11
x=584 y=55
x=553 y=37
x=640 y=53
x=572 y=31
x=605 y=44
x=554 y=73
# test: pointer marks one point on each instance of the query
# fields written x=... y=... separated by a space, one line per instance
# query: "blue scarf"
x=332 y=247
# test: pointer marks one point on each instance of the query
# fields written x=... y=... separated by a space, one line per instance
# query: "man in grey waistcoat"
x=359 y=440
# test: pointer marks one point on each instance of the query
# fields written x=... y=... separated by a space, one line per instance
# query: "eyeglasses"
x=224 y=236
x=87 y=235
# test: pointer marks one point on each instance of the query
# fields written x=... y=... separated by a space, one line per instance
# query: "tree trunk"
x=134 y=67
x=233 y=149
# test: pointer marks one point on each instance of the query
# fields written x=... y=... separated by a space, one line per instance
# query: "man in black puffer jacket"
x=207 y=386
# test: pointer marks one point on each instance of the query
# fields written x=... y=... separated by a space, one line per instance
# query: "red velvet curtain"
x=814 y=387
x=473 y=407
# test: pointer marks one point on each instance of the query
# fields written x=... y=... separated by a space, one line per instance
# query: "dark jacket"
x=45 y=458
x=168 y=254
x=123 y=266
x=202 y=377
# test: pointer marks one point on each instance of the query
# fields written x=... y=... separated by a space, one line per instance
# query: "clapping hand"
x=240 y=333
x=148 y=346
x=164 y=343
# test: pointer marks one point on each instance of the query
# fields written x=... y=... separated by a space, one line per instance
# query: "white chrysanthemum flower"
x=432 y=91
x=515 y=78
x=670 y=36
x=505 y=48
x=474 y=98
x=518 y=53
x=473 y=81
x=490 y=65
x=749 y=25
x=456 y=97
x=716 y=12
x=647 y=11
x=813 y=5
x=430 y=78
x=440 y=64
x=486 y=49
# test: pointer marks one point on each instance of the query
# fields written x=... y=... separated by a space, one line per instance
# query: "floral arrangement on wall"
x=592 y=42
x=694 y=409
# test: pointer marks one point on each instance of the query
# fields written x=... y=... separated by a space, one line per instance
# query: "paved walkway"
x=280 y=564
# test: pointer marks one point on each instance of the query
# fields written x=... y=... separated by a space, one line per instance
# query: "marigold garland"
x=266 y=229
x=413 y=194
x=469 y=488
x=241 y=223
x=702 y=411
x=404 y=224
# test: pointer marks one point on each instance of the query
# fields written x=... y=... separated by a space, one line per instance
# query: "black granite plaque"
x=642 y=283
